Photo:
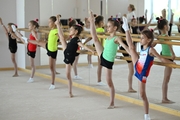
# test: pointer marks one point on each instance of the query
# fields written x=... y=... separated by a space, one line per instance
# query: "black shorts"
x=125 y=55
x=31 y=54
x=68 y=58
x=77 y=54
x=106 y=63
x=168 y=59
x=13 y=49
x=51 y=54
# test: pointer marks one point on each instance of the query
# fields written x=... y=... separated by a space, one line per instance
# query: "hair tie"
x=36 y=20
x=161 y=18
x=16 y=25
x=151 y=30
x=116 y=16
x=70 y=19
x=133 y=17
x=117 y=20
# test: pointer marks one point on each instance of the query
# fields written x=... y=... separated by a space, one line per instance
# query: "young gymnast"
x=50 y=46
x=99 y=22
x=167 y=50
x=76 y=77
x=88 y=42
x=131 y=13
x=70 y=48
x=12 y=43
x=130 y=65
x=138 y=29
x=108 y=52
x=142 y=62
x=31 y=48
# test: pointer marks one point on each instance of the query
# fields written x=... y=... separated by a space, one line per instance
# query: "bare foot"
x=167 y=101
x=132 y=91
x=57 y=72
x=71 y=95
x=15 y=75
x=111 y=107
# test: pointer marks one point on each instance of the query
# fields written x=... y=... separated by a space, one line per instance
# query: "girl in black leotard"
x=69 y=49
x=12 y=43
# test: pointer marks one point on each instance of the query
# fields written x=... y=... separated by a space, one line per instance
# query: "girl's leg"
x=144 y=97
x=98 y=45
x=111 y=86
x=89 y=59
x=130 y=77
x=75 y=65
x=32 y=69
x=132 y=48
x=55 y=68
x=15 y=64
x=75 y=68
x=145 y=100
x=52 y=63
x=68 y=75
x=99 y=70
x=167 y=75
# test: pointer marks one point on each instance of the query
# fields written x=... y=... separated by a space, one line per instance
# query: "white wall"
x=67 y=8
x=117 y=6
x=32 y=14
x=26 y=11
x=45 y=11
x=8 y=15
x=79 y=8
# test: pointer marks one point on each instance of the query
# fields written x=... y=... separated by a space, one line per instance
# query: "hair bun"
x=95 y=15
x=36 y=20
x=157 y=18
x=70 y=19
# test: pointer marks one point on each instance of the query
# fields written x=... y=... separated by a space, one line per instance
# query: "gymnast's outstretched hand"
x=58 y=19
x=91 y=16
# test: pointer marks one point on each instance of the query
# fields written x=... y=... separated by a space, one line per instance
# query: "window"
x=156 y=6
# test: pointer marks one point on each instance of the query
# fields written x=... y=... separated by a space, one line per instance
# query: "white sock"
x=13 y=28
x=125 y=25
x=146 y=116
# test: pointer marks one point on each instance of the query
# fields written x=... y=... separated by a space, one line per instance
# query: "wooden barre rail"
x=154 y=62
x=103 y=35
x=128 y=58
x=176 y=58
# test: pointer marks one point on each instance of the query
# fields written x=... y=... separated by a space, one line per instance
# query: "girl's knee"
x=68 y=75
x=52 y=68
x=110 y=84
x=143 y=95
